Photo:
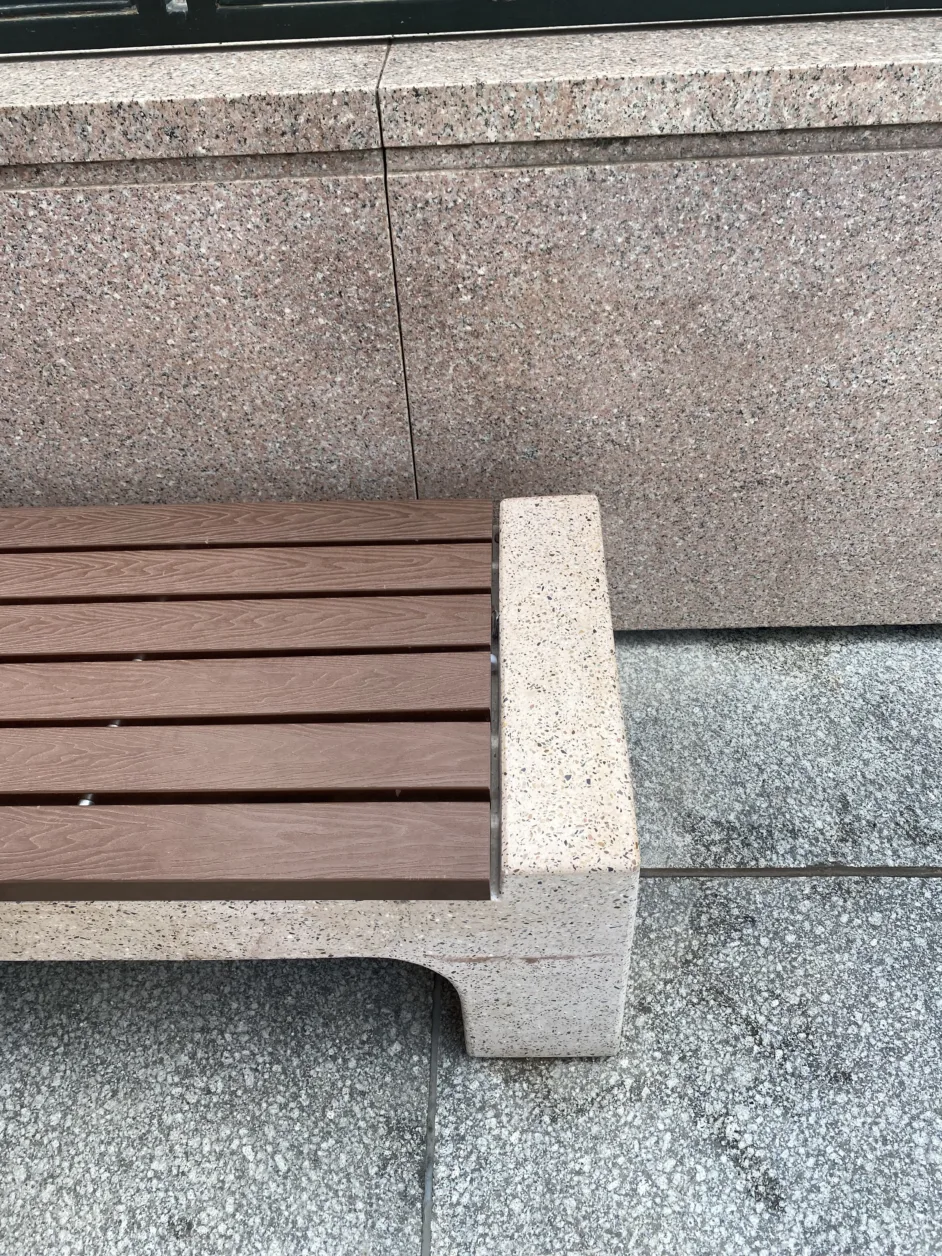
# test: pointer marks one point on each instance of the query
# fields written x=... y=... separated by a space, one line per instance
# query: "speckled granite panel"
x=786 y=748
x=566 y=802
x=198 y=342
x=777 y=1090
x=226 y=1109
x=655 y=81
x=260 y=100
x=739 y=357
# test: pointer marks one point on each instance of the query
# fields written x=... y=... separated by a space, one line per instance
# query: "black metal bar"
x=65 y=25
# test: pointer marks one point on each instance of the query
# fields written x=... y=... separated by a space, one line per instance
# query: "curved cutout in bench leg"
x=550 y=1004
x=543 y=1007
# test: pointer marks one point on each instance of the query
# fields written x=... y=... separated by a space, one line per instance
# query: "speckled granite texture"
x=648 y=82
x=687 y=270
x=224 y=1109
x=567 y=805
x=734 y=355
x=263 y=100
x=786 y=748
x=777 y=1090
x=200 y=341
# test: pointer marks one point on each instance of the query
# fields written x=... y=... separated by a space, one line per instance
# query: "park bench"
x=279 y=730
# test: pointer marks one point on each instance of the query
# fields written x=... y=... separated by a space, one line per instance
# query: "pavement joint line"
x=809 y=870
x=432 y=1112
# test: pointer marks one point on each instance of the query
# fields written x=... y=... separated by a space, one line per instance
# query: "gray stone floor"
x=786 y=749
x=778 y=1089
x=162 y=1109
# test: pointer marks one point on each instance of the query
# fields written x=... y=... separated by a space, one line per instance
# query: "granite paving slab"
x=267 y=1108
x=786 y=748
x=777 y=1090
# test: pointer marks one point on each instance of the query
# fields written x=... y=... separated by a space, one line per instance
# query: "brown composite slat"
x=235 y=572
x=267 y=523
x=182 y=758
x=352 y=623
x=331 y=685
x=283 y=850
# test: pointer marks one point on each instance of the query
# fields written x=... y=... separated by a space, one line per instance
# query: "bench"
x=278 y=731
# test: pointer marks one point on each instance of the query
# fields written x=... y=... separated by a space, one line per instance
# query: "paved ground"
x=778 y=1088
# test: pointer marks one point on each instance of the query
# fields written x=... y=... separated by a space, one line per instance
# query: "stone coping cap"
x=567 y=805
x=234 y=102
x=752 y=77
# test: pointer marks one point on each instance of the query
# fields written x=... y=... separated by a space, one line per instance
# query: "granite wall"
x=695 y=271
x=196 y=293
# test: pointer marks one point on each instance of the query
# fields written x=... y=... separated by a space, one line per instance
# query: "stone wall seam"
x=620 y=151
x=395 y=275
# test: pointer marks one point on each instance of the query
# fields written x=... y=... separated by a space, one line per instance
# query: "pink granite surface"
x=237 y=101
x=740 y=357
x=200 y=341
x=726 y=77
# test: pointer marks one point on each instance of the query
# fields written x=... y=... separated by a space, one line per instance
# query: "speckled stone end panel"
x=654 y=82
x=541 y=968
x=734 y=355
x=236 y=102
x=567 y=804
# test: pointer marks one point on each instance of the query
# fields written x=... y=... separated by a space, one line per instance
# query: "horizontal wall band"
x=191 y=170
x=645 y=148
x=399 y=161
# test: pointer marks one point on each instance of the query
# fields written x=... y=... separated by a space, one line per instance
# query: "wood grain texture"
x=354 y=623
x=325 y=569
x=357 y=684
x=279 y=850
x=266 y=523
x=173 y=759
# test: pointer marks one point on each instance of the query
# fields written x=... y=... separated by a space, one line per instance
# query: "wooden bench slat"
x=352 y=623
x=173 y=759
x=325 y=569
x=279 y=850
x=98 y=527
x=331 y=685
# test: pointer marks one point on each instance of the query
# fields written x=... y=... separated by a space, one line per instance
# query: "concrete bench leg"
x=545 y=1007
x=540 y=967
x=569 y=850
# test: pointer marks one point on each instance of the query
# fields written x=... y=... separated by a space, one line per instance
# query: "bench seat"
x=274 y=730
